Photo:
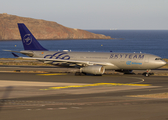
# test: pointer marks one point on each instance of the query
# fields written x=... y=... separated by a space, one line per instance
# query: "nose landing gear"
x=147 y=73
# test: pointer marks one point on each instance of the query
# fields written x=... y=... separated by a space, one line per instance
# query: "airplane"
x=88 y=62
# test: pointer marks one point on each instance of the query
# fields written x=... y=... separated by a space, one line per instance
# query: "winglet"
x=28 y=40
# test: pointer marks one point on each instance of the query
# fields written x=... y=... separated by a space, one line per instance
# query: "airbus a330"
x=88 y=62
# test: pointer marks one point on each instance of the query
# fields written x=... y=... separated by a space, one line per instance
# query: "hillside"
x=41 y=29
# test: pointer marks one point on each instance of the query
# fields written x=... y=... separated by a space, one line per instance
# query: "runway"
x=129 y=97
x=51 y=69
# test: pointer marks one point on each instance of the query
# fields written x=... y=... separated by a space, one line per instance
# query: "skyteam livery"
x=88 y=62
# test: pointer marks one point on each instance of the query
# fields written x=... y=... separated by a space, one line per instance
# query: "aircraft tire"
x=147 y=74
x=79 y=74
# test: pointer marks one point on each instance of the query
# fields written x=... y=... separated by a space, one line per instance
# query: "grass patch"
x=157 y=95
x=21 y=61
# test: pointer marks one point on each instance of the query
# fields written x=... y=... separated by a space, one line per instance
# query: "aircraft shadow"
x=5 y=96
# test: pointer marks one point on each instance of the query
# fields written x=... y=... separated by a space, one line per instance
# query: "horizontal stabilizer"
x=15 y=55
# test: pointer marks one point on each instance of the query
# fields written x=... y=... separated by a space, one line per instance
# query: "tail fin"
x=28 y=40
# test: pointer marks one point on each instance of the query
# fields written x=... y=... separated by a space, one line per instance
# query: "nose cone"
x=162 y=63
x=157 y=64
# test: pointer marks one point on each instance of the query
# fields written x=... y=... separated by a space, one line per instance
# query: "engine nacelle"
x=93 y=69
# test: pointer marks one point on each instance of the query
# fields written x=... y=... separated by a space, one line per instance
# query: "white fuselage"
x=115 y=61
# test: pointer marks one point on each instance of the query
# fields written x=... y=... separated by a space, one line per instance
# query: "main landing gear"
x=79 y=74
x=83 y=74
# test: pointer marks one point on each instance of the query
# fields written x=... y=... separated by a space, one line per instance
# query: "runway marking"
x=76 y=107
x=142 y=80
x=52 y=74
x=96 y=84
x=50 y=108
x=63 y=108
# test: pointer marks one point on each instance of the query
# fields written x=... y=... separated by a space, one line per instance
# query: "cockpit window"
x=158 y=59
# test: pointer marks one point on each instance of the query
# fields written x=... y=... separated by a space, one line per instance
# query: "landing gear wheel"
x=79 y=74
x=147 y=74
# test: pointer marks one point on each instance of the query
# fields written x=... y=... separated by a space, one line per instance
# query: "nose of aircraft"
x=162 y=63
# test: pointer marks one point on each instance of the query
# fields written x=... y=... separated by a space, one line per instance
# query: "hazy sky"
x=93 y=14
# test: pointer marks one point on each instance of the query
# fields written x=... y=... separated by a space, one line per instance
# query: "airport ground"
x=64 y=96
x=31 y=90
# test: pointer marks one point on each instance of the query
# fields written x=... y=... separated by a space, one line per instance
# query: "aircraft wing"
x=46 y=60
x=70 y=61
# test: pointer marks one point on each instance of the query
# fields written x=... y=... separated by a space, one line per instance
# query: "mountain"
x=41 y=29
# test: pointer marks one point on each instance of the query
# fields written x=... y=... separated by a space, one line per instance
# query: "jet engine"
x=93 y=69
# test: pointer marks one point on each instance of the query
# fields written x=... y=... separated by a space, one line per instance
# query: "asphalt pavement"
x=41 y=96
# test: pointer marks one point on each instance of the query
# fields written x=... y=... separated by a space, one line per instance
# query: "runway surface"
x=67 y=97
x=23 y=68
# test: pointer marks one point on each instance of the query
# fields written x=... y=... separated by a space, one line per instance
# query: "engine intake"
x=93 y=69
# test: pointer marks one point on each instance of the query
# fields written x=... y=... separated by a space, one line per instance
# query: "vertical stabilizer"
x=28 y=40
